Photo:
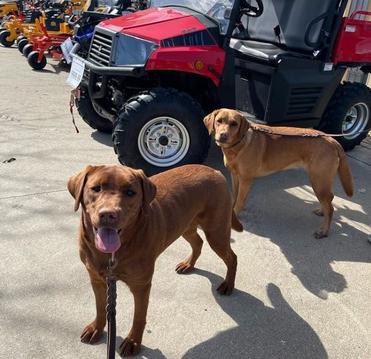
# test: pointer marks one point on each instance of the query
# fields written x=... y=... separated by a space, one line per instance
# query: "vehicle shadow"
x=279 y=208
x=103 y=138
x=261 y=331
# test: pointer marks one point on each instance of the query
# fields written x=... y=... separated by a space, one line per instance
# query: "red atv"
x=152 y=76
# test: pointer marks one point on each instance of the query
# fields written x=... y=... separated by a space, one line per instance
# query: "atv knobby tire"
x=348 y=111
x=89 y=115
x=143 y=115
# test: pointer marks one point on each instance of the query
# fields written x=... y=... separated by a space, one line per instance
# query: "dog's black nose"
x=223 y=137
x=107 y=215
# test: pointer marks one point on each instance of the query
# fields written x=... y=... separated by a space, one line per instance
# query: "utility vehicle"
x=150 y=77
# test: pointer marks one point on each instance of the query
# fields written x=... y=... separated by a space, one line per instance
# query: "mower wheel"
x=32 y=60
x=349 y=113
x=3 y=39
x=89 y=115
x=21 y=44
x=160 y=129
x=19 y=38
x=27 y=49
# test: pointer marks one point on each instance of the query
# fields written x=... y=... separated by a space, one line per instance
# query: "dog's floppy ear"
x=244 y=125
x=148 y=188
x=209 y=121
x=76 y=185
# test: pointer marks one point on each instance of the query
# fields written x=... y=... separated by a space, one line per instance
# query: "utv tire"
x=348 y=112
x=32 y=61
x=160 y=129
x=21 y=44
x=3 y=39
x=89 y=115
x=27 y=49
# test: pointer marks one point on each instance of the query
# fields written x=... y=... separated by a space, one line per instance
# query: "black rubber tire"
x=19 y=38
x=3 y=40
x=345 y=97
x=21 y=44
x=89 y=115
x=32 y=61
x=27 y=49
x=138 y=110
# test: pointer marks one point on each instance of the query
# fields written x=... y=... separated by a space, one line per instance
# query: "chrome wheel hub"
x=163 y=141
x=355 y=120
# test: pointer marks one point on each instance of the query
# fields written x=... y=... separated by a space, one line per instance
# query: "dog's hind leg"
x=192 y=237
x=322 y=187
x=220 y=244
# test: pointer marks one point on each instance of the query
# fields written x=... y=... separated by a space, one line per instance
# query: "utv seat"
x=287 y=28
x=264 y=51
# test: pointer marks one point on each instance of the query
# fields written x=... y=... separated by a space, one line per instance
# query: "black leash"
x=111 y=308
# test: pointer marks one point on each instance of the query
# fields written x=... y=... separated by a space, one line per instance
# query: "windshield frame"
x=216 y=7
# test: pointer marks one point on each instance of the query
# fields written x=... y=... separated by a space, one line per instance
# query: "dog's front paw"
x=225 y=288
x=129 y=347
x=184 y=267
x=91 y=334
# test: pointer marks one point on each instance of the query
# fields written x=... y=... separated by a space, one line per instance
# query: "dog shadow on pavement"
x=279 y=208
x=260 y=331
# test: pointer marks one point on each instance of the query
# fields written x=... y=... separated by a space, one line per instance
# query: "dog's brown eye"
x=130 y=193
x=96 y=188
x=233 y=124
x=219 y=120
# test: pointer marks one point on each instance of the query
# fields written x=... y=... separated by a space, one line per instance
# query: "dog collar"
x=235 y=144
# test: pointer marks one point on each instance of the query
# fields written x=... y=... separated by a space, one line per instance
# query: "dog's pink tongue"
x=107 y=240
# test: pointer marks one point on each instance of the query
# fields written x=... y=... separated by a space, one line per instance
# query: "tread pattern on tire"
x=146 y=98
x=339 y=105
x=89 y=115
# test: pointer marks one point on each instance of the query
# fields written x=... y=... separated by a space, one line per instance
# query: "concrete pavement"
x=296 y=297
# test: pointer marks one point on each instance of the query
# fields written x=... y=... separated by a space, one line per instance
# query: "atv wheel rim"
x=355 y=120
x=163 y=141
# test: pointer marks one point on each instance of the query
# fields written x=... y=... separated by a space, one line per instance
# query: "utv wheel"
x=21 y=44
x=160 y=129
x=89 y=115
x=349 y=113
x=27 y=49
x=32 y=61
x=4 y=39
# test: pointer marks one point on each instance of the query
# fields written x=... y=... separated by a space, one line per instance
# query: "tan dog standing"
x=140 y=217
x=252 y=151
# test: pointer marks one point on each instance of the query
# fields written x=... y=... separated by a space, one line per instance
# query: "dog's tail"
x=236 y=224
x=345 y=175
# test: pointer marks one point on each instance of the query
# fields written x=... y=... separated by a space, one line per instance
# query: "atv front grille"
x=101 y=48
x=303 y=100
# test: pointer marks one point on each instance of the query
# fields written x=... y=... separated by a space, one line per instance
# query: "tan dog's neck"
x=232 y=152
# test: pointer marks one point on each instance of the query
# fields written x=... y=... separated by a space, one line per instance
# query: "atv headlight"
x=132 y=51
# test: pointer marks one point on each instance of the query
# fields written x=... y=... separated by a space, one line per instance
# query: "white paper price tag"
x=66 y=47
x=76 y=72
